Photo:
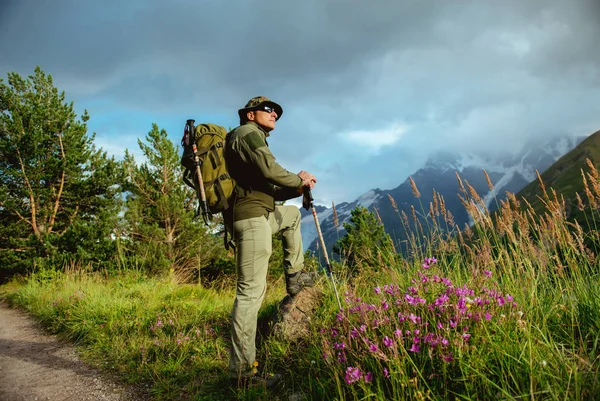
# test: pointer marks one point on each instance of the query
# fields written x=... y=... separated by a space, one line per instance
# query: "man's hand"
x=308 y=180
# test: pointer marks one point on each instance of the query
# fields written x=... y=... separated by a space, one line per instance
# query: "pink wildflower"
x=352 y=375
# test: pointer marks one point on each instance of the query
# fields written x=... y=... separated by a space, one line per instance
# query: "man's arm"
x=260 y=155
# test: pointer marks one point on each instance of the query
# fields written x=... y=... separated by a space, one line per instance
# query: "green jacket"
x=261 y=180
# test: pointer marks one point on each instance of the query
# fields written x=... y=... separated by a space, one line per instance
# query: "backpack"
x=205 y=168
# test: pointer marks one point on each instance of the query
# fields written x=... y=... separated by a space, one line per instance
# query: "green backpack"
x=205 y=168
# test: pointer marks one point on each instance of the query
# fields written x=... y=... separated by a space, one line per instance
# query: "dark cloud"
x=459 y=74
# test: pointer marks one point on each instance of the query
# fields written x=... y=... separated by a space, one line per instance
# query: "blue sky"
x=370 y=89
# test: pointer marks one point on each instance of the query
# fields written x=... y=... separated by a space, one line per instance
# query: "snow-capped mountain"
x=507 y=173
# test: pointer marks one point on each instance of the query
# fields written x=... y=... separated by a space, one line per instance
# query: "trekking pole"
x=189 y=126
x=308 y=203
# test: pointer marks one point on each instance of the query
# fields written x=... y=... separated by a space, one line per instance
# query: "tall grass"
x=510 y=311
x=507 y=308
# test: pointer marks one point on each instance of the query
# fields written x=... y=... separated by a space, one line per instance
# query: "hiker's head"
x=262 y=111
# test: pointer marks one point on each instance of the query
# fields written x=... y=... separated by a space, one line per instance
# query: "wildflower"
x=342 y=357
x=385 y=305
x=339 y=346
x=352 y=375
x=398 y=333
x=386 y=373
x=368 y=377
x=159 y=323
x=487 y=273
x=466 y=336
x=373 y=348
x=415 y=348
x=362 y=328
x=339 y=317
x=387 y=341
x=377 y=290
x=488 y=316
x=447 y=357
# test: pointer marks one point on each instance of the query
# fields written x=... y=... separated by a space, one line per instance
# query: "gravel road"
x=35 y=365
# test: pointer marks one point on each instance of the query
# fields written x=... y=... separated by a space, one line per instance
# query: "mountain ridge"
x=507 y=172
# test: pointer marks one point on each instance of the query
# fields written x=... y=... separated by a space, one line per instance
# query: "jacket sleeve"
x=259 y=154
x=285 y=193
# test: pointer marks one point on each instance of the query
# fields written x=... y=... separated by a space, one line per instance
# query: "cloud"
x=374 y=140
x=463 y=75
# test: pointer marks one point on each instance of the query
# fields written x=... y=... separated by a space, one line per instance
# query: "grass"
x=509 y=309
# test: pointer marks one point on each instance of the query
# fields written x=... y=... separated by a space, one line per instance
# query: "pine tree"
x=159 y=217
x=58 y=193
x=366 y=244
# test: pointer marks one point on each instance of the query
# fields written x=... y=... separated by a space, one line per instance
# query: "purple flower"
x=368 y=377
x=415 y=348
x=373 y=348
x=487 y=273
x=488 y=316
x=441 y=300
x=447 y=357
x=387 y=341
x=412 y=318
x=398 y=333
x=386 y=373
x=377 y=290
x=352 y=375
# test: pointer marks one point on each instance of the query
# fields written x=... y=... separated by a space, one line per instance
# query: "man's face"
x=265 y=117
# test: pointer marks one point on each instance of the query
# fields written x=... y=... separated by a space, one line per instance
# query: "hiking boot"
x=295 y=282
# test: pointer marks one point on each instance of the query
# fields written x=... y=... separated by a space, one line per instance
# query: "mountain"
x=507 y=172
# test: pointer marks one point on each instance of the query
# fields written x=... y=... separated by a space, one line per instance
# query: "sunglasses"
x=268 y=109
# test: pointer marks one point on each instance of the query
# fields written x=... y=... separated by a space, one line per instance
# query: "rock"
x=292 y=319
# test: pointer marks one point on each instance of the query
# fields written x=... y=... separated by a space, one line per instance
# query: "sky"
x=370 y=89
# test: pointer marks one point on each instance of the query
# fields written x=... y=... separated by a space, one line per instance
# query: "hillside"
x=565 y=176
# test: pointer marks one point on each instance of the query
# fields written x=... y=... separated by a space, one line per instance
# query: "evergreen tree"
x=366 y=244
x=58 y=194
x=159 y=217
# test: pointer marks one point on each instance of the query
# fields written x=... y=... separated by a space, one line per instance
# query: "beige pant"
x=253 y=240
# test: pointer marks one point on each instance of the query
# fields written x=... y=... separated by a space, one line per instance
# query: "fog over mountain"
x=508 y=172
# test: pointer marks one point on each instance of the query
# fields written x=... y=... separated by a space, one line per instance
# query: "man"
x=254 y=218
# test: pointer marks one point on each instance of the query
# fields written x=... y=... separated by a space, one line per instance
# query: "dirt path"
x=37 y=366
